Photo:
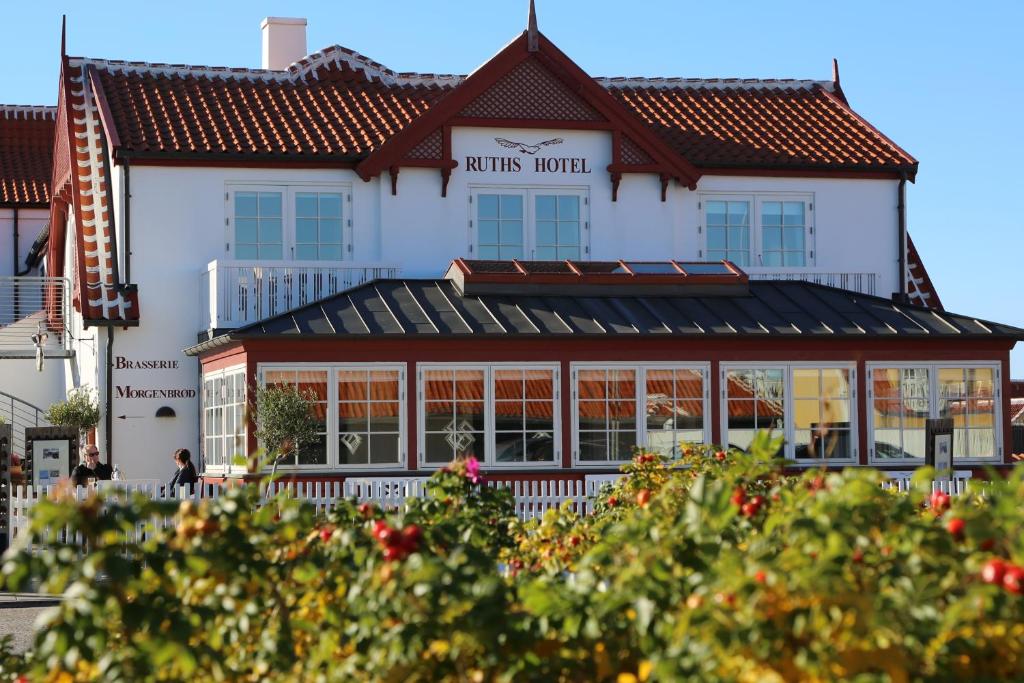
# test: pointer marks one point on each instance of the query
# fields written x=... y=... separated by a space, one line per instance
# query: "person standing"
x=186 y=473
x=90 y=467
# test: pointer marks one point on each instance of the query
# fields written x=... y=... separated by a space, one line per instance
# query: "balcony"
x=31 y=306
x=854 y=282
x=236 y=293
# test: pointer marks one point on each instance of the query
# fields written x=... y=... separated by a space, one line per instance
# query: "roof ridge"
x=727 y=82
x=28 y=111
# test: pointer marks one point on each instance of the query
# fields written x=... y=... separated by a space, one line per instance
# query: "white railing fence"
x=29 y=305
x=235 y=293
x=856 y=282
x=532 y=498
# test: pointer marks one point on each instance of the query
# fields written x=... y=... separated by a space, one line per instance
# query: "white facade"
x=30 y=222
x=182 y=219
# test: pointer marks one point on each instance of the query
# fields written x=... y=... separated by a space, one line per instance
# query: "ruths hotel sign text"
x=539 y=164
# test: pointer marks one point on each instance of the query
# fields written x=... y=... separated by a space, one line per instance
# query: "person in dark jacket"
x=186 y=473
x=90 y=467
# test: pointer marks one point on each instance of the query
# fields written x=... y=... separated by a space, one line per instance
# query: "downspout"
x=108 y=419
x=15 y=210
x=127 y=218
x=901 y=212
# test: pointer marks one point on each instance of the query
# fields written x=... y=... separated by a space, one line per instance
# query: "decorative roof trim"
x=28 y=111
x=710 y=83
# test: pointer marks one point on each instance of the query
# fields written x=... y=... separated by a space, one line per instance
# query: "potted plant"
x=80 y=410
x=284 y=420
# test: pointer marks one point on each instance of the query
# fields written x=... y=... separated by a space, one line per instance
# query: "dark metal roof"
x=436 y=308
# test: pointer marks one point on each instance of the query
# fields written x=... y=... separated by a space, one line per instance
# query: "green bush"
x=80 y=411
x=284 y=418
x=716 y=568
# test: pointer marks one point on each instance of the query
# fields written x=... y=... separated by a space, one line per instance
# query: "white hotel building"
x=213 y=228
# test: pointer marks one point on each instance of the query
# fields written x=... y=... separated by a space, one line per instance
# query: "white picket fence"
x=531 y=498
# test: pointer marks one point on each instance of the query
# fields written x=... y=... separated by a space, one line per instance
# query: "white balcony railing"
x=863 y=283
x=236 y=293
x=31 y=306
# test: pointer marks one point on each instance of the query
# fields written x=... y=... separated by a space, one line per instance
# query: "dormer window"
x=531 y=224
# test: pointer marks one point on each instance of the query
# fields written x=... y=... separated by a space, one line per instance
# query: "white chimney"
x=284 y=42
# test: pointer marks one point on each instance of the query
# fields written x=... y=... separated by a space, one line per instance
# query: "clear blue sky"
x=945 y=80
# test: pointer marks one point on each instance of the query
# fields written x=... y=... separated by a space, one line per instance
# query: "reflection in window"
x=223 y=418
x=313 y=385
x=782 y=233
x=902 y=403
x=524 y=415
x=821 y=413
x=674 y=400
x=453 y=410
x=968 y=397
x=755 y=400
x=369 y=408
x=258 y=225
x=606 y=413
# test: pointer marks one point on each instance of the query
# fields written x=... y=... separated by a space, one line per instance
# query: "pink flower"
x=473 y=470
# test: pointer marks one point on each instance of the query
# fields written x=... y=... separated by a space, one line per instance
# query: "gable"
x=529 y=88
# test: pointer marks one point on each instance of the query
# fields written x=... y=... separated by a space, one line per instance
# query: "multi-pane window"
x=313 y=384
x=821 y=413
x=606 y=413
x=282 y=222
x=755 y=400
x=502 y=415
x=500 y=226
x=369 y=417
x=618 y=407
x=674 y=408
x=728 y=226
x=524 y=414
x=758 y=231
x=543 y=225
x=453 y=413
x=223 y=417
x=259 y=225
x=318 y=228
x=811 y=407
x=783 y=226
x=558 y=227
x=904 y=398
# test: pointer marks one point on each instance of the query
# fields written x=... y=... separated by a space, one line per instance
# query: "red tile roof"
x=800 y=125
x=337 y=104
x=26 y=153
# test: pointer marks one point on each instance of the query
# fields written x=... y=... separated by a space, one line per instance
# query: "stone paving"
x=17 y=617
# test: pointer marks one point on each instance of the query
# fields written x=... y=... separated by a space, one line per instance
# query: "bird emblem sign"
x=528 y=156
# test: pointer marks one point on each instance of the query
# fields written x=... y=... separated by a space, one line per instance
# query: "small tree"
x=81 y=410
x=284 y=419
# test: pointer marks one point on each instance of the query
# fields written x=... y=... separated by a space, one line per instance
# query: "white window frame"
x=227 y=467
x=333 y=369
x=755 y=201
x=528 y=193
x=488 y=459
x=641 y=401
x=288 y=192
x=789 y=422
x=933 y=406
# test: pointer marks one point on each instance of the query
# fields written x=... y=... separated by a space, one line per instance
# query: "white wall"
x=178 y=227
x=30 y=222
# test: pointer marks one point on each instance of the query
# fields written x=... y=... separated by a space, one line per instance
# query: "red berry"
x=939 y=502
x=749 y=509
x=993 y=571
x=411 y=536
x=858 y=556
x=739 y=496
x=393 y=553
x=956 y=526
x=612 y=501
x=720 y=456
x=760 y=576
x=325 y=534
x=1013 y=579
x=987 y=544
x=574 y=540
x=366 y=509
x=643 y=497
x=379 y=528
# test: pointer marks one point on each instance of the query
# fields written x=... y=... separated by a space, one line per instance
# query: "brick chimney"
x=284 y=42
